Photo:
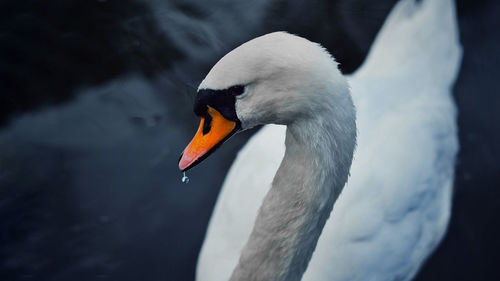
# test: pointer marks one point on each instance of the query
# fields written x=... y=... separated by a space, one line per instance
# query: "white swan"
x=394 y=209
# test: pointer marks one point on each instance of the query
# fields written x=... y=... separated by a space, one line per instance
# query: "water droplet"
x=184 y=179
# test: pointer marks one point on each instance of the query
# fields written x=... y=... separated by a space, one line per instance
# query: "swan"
x=380 y=145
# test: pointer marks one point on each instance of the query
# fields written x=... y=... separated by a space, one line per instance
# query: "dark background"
x=96 y=98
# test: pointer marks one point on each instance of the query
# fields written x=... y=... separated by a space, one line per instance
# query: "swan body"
x=395 y=207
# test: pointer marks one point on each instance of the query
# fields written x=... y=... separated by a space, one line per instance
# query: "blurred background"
x=96 y=106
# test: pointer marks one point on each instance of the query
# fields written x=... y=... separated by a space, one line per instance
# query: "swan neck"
x=310 y=178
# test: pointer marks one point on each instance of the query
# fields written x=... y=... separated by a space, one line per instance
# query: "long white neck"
x=311 y=176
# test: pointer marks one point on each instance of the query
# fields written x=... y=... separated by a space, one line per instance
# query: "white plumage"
x=395 y=207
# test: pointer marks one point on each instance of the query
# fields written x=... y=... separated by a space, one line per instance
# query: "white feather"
x=395 y=207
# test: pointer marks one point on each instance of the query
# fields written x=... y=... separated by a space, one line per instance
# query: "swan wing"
x=242 y=193
x=395 y=207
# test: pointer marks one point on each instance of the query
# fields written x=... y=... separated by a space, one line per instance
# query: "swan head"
x=277 y=78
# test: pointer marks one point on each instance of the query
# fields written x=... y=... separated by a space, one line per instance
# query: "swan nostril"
x=207 y=124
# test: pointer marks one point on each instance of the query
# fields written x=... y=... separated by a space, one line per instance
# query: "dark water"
x=96 y=101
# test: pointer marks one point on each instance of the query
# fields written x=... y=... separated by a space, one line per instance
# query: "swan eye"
x=236 y=90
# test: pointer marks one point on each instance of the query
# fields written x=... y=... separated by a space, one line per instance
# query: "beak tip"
x=184 y=162
x=180 y=159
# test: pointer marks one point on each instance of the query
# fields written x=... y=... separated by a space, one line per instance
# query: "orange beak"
x=205 y=142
